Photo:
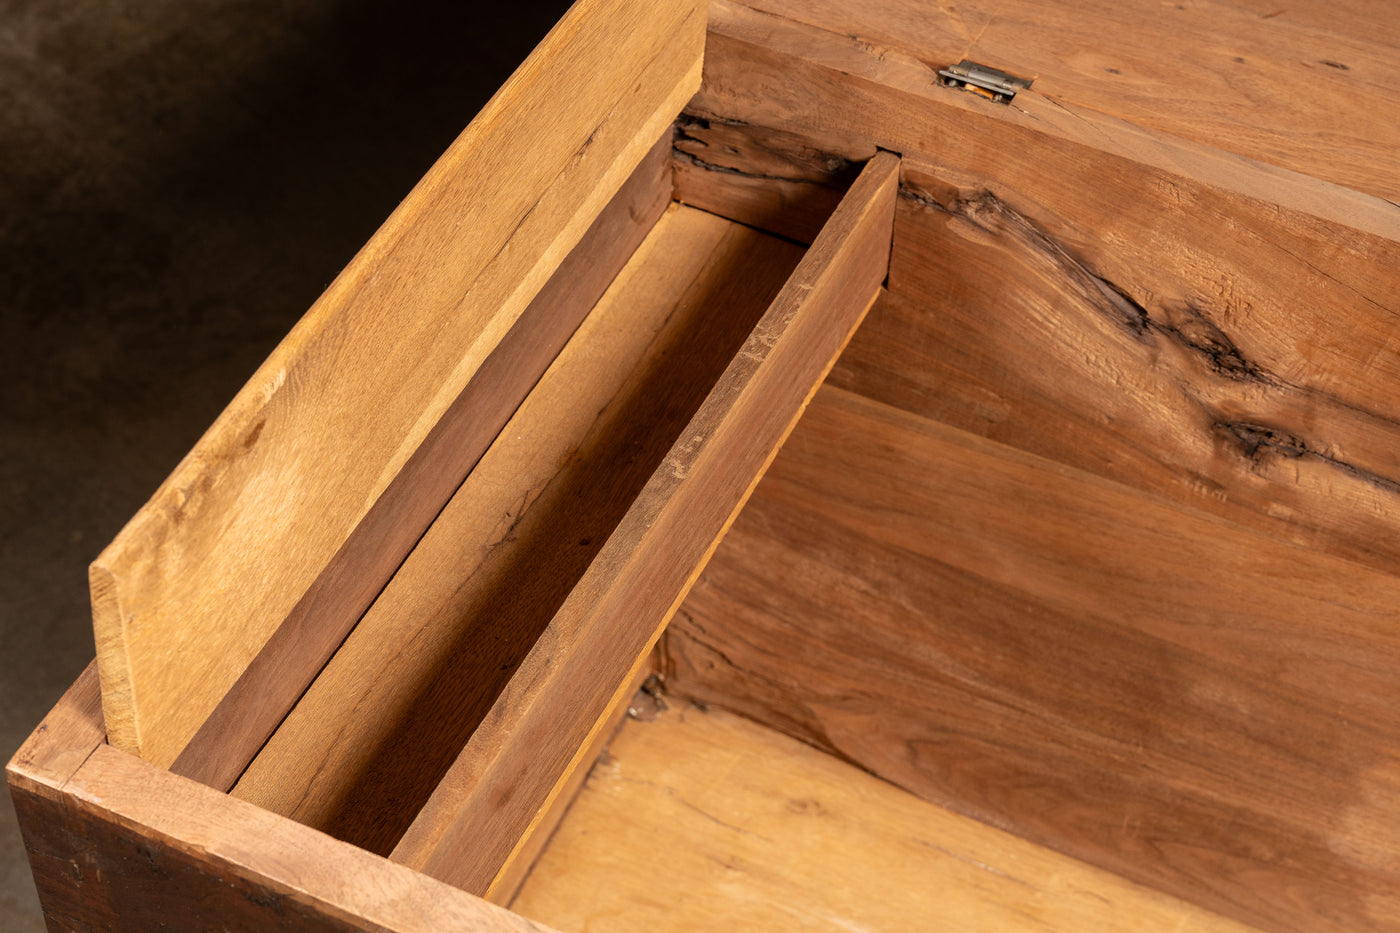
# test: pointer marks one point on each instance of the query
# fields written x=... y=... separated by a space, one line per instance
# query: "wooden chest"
x=1066 y=347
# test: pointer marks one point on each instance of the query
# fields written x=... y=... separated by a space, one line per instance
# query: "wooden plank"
x=769 y=179
x=1164 y=316
x=367 y=745
x=193 y=587
x=891 y=98
x=639 y=577
x=300 y=648
x=1230 y=374
x=522 y=859
x=1319 y=97
x=116 y=844
x=1190 y=704
x=775 y=835
x=135 y=848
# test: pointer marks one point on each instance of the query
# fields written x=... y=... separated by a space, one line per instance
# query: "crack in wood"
x=1258 y=442
x=1185 y=324
x=681 y=155
x=995 y=218
x=691 y=131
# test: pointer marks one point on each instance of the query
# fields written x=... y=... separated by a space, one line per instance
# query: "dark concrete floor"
x=179 y=179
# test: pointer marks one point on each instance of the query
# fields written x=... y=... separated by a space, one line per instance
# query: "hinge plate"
x=991 y=83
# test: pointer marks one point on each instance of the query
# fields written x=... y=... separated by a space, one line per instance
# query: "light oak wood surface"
x=207 y=571
x=365 y=747
x=617 y=610
x=1180 y=700
x=703 y=821
x=283 y=669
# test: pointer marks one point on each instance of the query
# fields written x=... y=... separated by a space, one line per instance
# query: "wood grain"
x=1282 y=85
x=300 y=648
x=702 y=821
x=194 y=586
x=769 y=179
x=1176 y=339
x=639 y=577
x=777 y=72
x=1182 y=701
x=1163 y=315
x=367 y=745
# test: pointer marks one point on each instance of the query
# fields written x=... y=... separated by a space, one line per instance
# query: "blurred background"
x=179 y=180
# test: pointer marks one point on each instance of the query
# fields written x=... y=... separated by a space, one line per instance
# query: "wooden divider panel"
x=240 y=535
x=365 y=747
x=531 y=736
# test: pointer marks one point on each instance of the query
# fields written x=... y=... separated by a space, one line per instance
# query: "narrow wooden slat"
x=523 y=857
x=365 y=747
x=1180 y=700
x=137 y=848
x=630 y=590
x=702 y=821
x=194 y=586
x=301 y=646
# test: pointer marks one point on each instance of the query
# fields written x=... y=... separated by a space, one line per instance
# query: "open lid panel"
x=291 y=512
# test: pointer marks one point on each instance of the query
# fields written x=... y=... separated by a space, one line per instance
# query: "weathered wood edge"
x=782 y=182
x=65 y=738
x=618 y=610
x=162 y=849
x=118 y=844
x=296 y=653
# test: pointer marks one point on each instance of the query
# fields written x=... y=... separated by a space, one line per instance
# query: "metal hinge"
x=991 y=83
